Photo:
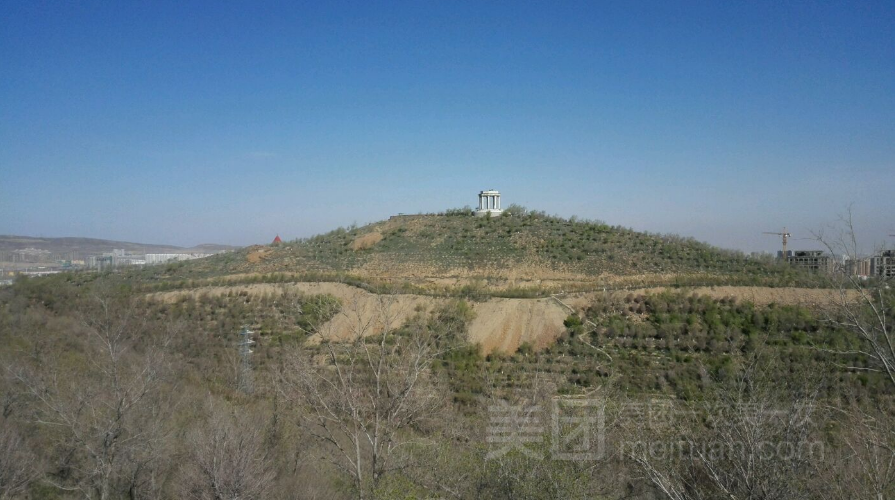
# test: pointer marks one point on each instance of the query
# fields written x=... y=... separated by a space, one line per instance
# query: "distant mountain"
x=10 y=243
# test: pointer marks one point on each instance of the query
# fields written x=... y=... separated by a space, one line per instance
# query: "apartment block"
x=812 y=260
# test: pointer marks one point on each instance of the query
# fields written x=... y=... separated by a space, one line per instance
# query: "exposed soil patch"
x=366 y=241
x=504 y=324
x=256 y=256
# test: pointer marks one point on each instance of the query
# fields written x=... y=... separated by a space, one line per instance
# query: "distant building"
x=489 y=204
x=277 y=240
x=812 y=260
x=161 y=258
x=40 y=272
x=883 y=264
x=858 y=267
x=32 y=255
x=102 y=262
x=128 y=260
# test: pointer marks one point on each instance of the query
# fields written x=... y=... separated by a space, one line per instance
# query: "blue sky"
x=187 y=122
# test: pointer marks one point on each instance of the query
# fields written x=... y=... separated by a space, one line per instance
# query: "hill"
x=685 y=355
x=514 y=252
x=9 y=243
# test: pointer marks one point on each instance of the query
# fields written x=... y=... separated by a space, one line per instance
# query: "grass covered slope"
x=522 y=249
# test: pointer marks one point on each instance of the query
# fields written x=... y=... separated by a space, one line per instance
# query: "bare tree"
x=365 y=389
x=751 y=440
x=863 y=462
x=863 y=306
x=104 y=404
x=18 y=465
x=227 y=459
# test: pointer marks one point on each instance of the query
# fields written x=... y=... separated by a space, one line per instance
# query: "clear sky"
x=186 y=122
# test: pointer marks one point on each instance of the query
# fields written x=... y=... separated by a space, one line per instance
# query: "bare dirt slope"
x=499 y=324
x=363 y=313
x=505 y=324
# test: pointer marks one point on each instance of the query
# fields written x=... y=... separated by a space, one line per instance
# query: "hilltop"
x=519 y=250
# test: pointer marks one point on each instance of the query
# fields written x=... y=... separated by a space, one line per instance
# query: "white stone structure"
x=489 y=203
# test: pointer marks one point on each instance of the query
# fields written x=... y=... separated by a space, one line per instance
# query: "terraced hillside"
x=514 y=251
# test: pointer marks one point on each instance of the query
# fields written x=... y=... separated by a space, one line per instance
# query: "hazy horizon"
x=204 y=123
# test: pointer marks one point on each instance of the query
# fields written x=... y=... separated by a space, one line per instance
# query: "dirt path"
x=760 y=296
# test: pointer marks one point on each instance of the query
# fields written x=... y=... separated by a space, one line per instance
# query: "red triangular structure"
x=277 y=240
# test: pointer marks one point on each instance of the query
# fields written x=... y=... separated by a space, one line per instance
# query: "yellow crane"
x=786 y=235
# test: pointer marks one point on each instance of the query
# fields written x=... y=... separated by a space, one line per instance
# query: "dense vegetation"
x=675 y=344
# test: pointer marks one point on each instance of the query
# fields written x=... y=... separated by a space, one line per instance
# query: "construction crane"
x=786 y=235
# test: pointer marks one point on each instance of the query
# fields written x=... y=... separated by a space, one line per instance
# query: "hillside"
x=315 y=311
x=512 y=252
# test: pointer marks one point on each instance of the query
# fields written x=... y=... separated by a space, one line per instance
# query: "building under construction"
x=883 y=264
x=813 y=260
